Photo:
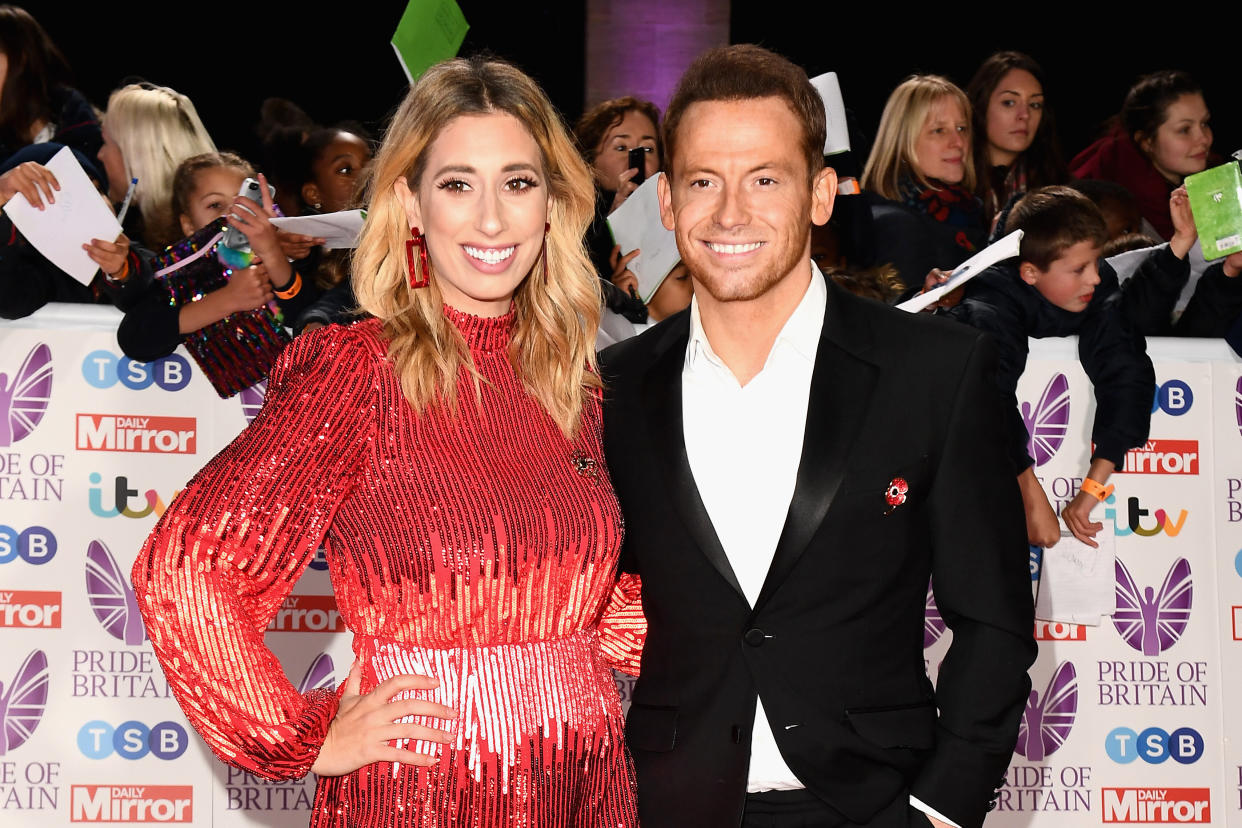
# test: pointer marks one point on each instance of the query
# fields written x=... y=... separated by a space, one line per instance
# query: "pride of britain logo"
x=1048 y=421
x=1150 y=621
x=22 y=702
x=1237 y=404
x=111 y=597
x=933 y=622
x=1047 y=720
x=25 y=395
x=252 y=400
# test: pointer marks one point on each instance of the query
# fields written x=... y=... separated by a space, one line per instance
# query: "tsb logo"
x=157 y=435
x=1154 y=745
x=132 y=740
x=36 y=545
x=132 y=803
x=30 y=609
x=104 y=369
x=1173 y=397
x=1157 y=805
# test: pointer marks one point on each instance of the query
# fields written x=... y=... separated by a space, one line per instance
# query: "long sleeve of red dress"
x=230 y=547
x=476 y=544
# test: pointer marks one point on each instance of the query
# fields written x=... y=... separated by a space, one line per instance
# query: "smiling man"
x=794 y=463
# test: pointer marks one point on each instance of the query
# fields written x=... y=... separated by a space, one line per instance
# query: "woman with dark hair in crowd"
x=36 y=102
x=1016 y=147
x=447 y=454
x=919 y=181
x=1161 y=136
x=606 y=134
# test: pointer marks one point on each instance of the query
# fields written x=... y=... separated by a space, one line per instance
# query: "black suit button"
x=737 y=735
x=754 y=637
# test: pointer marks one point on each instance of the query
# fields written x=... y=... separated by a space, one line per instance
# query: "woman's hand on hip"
x=366 y=727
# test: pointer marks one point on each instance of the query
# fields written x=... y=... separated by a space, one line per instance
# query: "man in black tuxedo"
x=794 y=463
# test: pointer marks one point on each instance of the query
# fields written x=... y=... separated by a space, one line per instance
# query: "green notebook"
x=1216 y=201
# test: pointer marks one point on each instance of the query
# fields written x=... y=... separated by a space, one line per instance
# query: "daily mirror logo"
x=131 y=803
x=1047 y=721
x=24 y=396
x=1163 y=457
x=1157 y=805
x=30 y=609
x=1048 y=420
x=111 y=597
x=1149 y=621
x=308 y=613
x=153 y=435
x=22 y=702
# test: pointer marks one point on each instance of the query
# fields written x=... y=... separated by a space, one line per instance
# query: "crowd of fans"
x=1110 y=251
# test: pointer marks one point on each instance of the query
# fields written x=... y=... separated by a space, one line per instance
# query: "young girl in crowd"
x=1161 y=136
x=147 y=131
x=204 y=189
x=920 y=179
x=1015 y=143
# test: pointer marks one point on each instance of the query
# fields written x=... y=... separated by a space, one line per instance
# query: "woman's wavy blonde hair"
x=557 y=304
x=156 y=128
x=892 y=156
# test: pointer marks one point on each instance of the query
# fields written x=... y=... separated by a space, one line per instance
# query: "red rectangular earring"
x=418 y=278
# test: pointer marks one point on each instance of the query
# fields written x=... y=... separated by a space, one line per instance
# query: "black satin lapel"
x=662 y=397
x=840 y=395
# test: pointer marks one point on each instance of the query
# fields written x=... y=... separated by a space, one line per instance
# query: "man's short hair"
x=1052 y=220
x=744 y=72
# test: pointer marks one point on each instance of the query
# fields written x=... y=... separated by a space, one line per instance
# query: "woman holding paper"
x=447 y=455
x=919 y=182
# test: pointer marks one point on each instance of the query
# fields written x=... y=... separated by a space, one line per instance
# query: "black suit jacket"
x=834 y=645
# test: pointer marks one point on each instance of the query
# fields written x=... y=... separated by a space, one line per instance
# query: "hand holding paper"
x=1005 y=248
x=636 y=225
x=61 y=230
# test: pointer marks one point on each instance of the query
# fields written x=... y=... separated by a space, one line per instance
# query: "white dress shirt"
x=744 y=445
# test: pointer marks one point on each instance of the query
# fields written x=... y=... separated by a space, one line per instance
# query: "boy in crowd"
x=1059 y=286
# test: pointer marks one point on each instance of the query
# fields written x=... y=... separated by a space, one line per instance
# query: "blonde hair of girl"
x=156 y=128
x=557 y=305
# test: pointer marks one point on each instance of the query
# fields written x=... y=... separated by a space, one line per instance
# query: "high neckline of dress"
x=483 y=333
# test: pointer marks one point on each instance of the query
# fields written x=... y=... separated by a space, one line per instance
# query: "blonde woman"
x=447 y=455
x=147 y=131
x=919 y=181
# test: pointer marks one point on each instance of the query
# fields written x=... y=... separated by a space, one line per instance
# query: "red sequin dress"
x=479 y=548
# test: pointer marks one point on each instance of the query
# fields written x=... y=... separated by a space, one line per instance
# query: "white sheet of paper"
x=339 y=229
x=1078 y=583
x=59 y=230
x=636 y=225
x=838 y=138
x=1005 y=248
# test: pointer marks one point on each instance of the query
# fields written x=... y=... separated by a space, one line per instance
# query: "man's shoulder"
x=895 y=334
x=631 y=358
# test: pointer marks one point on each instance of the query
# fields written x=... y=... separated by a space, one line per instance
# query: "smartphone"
x=233 y=237
x=638 y=161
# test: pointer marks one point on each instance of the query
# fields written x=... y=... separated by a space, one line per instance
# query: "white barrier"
x=1137 y=728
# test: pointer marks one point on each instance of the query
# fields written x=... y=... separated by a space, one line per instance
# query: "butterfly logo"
x=318 y=675
x=1153 y=622
x=22 y=703
x=1046 y=722
x=252 y=400
x=1047 y=424
x=933 y=623
x=111 y=597
x=1237 y=403
x=24 y=399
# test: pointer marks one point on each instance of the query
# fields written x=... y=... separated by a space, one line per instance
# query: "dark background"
x=337 y=62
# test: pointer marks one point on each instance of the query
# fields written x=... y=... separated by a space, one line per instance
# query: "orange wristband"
x=292 y=290
x=1097 y=490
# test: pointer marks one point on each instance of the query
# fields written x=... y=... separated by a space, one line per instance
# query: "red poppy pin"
x=895 y=494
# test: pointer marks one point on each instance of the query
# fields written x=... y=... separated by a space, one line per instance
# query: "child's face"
x=1069 y=282
x=214 y=191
